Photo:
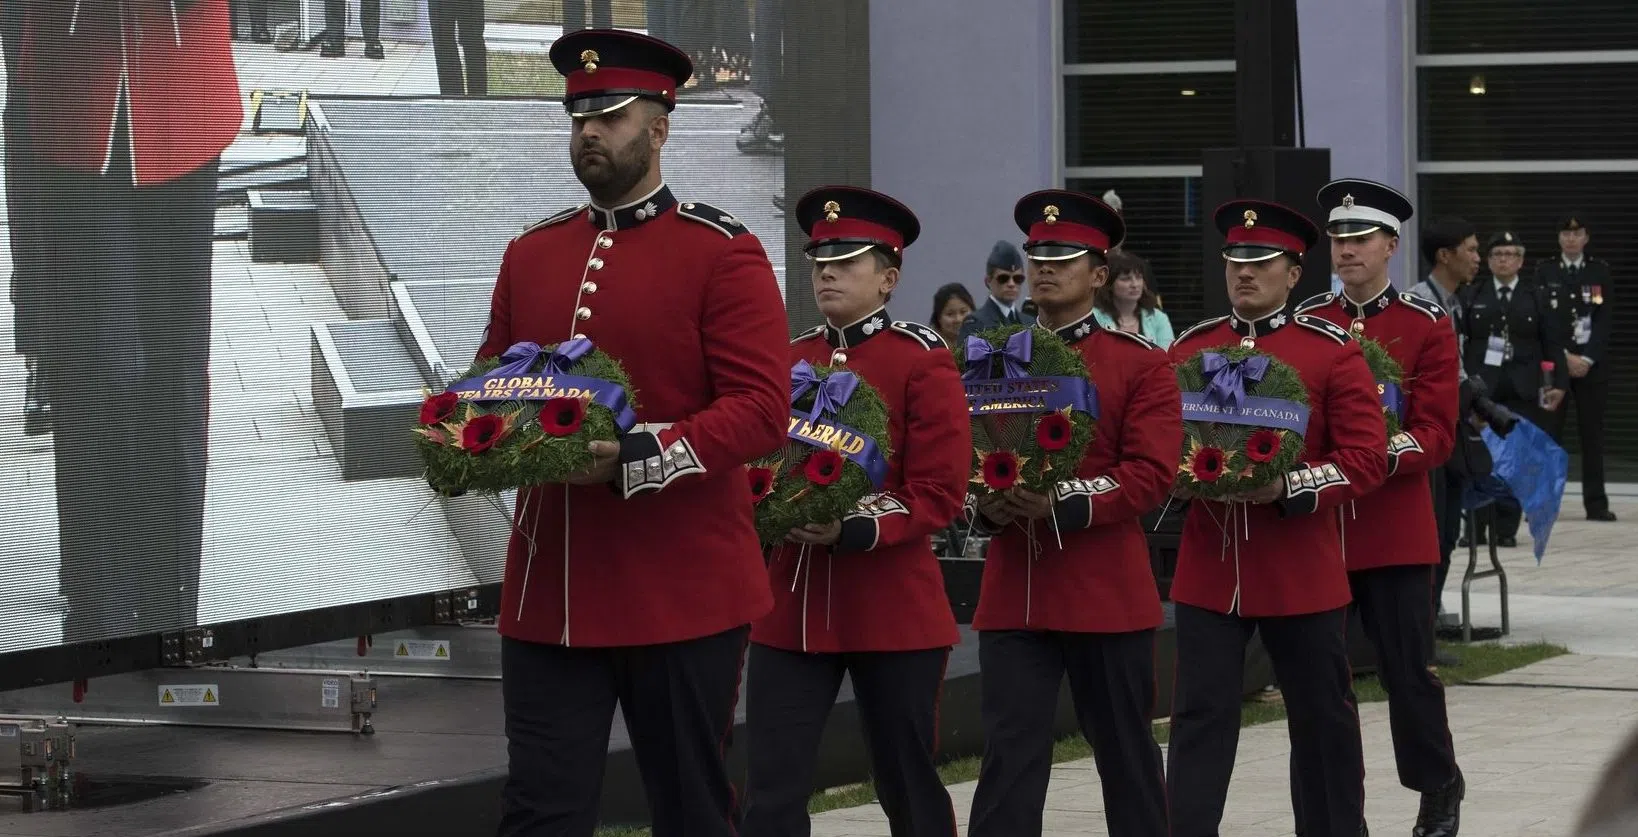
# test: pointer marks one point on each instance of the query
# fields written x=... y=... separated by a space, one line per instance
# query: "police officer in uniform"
x=1578 y=289
x=1277 y=569
x=1390 y=537
x=1508 y=331
x=635 y=583
x=1087 y=609
x=864 y=595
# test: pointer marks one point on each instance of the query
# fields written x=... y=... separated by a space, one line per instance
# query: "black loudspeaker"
x=1291 y=176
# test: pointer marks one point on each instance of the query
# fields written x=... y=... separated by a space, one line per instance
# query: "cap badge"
x=1051 y=213
x=833 y=211
x=1251 y=218
x=590 y=58
x=1574 y=224
x=1348 y=201
x=1507 y=237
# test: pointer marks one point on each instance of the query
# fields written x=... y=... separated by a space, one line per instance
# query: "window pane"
x=1146 y=120
x=1143 y=30
x=1528 y=205
x=1545 y=112
x=1162 y=225
x=1446 y=26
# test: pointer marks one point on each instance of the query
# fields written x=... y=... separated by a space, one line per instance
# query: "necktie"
x=1506 y=294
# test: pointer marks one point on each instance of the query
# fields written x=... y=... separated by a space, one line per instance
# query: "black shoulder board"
x=1426 y=306
x=1203 y=325
x=555 y=219
x=922 y=334
x=1135 y=337
x=712 y=217
x=810 y=333
x=1324 y=326
x=1316 y=301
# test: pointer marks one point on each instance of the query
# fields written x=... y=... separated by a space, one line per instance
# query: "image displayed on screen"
x=244 y=237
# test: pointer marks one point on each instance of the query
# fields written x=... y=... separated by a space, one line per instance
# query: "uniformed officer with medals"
x=864 y=595
x=1578 y=289
x=1509 y=329
x=1390 y=538
x=1279 y=571
x=636 y=583
x=1080 y=602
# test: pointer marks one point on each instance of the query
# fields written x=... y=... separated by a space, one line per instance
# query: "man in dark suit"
x=335 y=29
x=1004 y=278
x=1508 y=331
x=1578 y=292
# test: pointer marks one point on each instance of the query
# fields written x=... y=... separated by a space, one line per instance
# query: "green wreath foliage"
x=1239 y=472
x=525 y=455
x=1038 y=469
x=792 y=500
x=1384 y=369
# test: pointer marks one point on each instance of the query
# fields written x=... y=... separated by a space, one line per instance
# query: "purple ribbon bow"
x=519 y=358
x=1015 y=355
x=1228 y=377
x=830 y=393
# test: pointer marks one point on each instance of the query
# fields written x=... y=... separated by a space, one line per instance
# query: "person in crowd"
x=1127 y=302
x=1578 y=289
x=952 y=303
x=1004 y=279
x=1271 y=560
x=1079 y=601
x=1612 y=808
x=1390 y=537
x=595 y=611
x=458 y=47
x=863 y=596
x=335 y=28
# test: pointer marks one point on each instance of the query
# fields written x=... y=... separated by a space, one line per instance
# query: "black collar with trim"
x=1262 y=326
x=1370 y=307
x=1078 y=329
x=644 y=209
x=860 y=330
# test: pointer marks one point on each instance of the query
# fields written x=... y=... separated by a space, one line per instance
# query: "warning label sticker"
x=422 y=649
x=331 y=694
x=206 y=694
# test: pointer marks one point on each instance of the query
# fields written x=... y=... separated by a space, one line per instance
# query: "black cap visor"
x=1349 y=229
x=839 y=249
x=608 y=101
x=1247 y=253
x=1054 y=251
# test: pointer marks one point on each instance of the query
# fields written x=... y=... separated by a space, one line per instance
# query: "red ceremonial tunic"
x=1101 y=580
x=1285 y=558
x=685 y=299
x=172 y=59
x=1394 y=525
x=880 y=588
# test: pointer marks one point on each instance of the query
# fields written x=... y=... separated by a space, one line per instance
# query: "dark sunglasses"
x=1009 y=278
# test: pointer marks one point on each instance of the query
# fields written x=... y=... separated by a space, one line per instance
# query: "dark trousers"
x=25 y=187
x=677 y=700
x=1591 y=395
x=335 y=20
x=1396 y=607
x=130 y=336
x=1310 y=659
x=574 y=14
x=788 y=696
x=459 y=22
x=1112 y=682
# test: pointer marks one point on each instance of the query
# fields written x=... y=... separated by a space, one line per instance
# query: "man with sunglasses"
x=1004 y=277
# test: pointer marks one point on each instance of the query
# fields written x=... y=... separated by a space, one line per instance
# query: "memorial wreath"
x=835 y=453
x=1244 y=416
x=524 y=418
x=1390 y=380
x=1032 y=407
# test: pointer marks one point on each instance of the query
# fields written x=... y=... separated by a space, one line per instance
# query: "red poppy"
x=1000 y=470
x=761 y=480
x=439 y=407
x=1263 y=446
x=1208 y=464
x=562 y=416
x=482 y=432
x=1053 y=432
x=823 y=467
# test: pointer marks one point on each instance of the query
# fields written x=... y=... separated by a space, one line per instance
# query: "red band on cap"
x=580 y=82
x=854 y=228
x=1090 y=237
x=1266 y=236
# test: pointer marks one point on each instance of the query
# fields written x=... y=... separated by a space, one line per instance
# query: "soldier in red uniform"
x=642 y=592
x=128 y=108
x=1390 y=537
x=1087 y=608
x=1278 y=568
x=864 y=595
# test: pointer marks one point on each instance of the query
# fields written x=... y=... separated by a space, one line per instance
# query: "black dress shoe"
x=36 y=410
x=1364 y=830
x=260 y=35
x=1605 y=516
x=374 y=51
x=1507 y=542
x=1441 y=812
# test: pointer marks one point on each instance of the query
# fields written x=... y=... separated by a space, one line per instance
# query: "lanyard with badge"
x=1590 y=295
x=1499 y=349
